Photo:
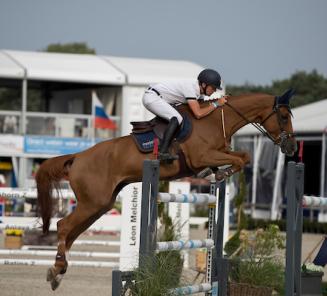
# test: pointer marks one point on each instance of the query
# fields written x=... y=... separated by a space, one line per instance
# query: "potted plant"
x=311 y=277
x=13 y=238
x=256 y=267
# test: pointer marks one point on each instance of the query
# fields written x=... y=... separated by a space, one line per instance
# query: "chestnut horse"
x=97 y=174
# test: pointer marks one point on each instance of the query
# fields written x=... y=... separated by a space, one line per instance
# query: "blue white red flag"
x=101 y=119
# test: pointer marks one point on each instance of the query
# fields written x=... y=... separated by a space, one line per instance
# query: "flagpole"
x=93 y=117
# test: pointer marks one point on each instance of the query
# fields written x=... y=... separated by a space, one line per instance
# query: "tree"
x=309 y=87
x=74 y=47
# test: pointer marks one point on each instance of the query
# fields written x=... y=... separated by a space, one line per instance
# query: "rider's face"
x=207 y=90
x=210 y=90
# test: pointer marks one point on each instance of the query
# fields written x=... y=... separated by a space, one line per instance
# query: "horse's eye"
x=284 y=119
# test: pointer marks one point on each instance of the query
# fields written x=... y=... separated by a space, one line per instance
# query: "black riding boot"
x=172 y=127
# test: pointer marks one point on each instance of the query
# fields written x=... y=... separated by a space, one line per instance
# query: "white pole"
x=277 y=186
x=226 y=214
x=93 y=116
x=50 y=262
x=10 y=193
x=97 y=243
x=323 y=163
x=47 y=253
x=257 y=154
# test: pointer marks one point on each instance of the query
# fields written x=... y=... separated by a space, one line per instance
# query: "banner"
x=55 y=146
x=131 y=197
x=11 y=145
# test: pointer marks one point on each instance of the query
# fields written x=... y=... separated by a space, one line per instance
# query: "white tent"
x=44 y=66
x=86 y=68
x=9 y=68
x=146 y=71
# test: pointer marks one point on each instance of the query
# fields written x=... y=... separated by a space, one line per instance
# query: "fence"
x=216 y=264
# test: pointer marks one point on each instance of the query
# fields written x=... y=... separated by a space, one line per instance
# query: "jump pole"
x=294 y=222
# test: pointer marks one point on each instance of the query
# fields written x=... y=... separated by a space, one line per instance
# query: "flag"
x=101 y=119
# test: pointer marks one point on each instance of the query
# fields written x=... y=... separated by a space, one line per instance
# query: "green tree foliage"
x=10 y=99
x=74 y=47
x=310 y=87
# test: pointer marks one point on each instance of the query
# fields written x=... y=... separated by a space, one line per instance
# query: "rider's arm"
x=204 y=111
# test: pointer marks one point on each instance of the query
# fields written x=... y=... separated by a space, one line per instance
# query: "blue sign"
x=55 y=146
x=2 y=209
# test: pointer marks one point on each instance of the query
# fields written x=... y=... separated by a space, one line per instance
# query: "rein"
x=256 y=125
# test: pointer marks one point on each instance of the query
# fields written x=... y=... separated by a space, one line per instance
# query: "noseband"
x=283 y=136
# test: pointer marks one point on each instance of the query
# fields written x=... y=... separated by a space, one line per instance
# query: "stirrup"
x=166 y=157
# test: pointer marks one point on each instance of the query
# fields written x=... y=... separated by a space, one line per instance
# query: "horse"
x=97 y=174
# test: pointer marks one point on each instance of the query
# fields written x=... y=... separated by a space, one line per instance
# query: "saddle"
x=144 y=132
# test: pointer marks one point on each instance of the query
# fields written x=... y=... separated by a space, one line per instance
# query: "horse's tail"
x=47 y=178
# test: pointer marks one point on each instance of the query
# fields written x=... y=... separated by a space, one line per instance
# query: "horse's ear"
x=284 y=99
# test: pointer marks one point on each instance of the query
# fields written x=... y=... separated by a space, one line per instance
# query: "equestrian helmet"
x=210 y=77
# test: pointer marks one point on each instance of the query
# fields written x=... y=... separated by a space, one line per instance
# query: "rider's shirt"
x=178 y=92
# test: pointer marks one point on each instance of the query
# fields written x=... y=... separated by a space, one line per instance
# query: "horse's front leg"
x=235 y=167
x=214 y=159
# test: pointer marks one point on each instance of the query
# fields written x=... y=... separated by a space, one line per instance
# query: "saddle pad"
x=144 y=141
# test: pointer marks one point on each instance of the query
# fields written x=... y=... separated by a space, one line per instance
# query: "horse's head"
x=278 y=123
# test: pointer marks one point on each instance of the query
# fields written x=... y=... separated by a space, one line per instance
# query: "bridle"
x=283 y=136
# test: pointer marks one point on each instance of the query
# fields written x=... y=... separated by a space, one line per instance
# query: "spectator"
x=2 y=181
x=10 y=125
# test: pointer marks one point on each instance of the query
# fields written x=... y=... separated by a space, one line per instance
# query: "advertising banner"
x=11 y=145
x=131 y=197
x=54 y=145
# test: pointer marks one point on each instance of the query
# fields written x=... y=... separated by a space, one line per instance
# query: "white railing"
x=54 y=124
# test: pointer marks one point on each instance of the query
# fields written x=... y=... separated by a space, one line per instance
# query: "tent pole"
x=323 y=163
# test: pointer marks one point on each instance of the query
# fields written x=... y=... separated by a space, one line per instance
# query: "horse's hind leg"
x=76 y=222
x=79 y=229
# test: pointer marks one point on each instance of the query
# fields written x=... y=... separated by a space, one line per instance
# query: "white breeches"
x=157 y=105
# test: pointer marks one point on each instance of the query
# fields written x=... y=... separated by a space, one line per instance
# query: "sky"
x=247 y=41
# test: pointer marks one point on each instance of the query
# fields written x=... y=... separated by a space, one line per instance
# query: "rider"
x=161 y=97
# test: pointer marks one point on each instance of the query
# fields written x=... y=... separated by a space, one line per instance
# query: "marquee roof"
x=147 y=71
x=85 y=68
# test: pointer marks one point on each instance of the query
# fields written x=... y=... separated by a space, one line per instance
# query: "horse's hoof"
x=205 y=173
x=50 y=274
x=53 y=278
x=220 y=176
